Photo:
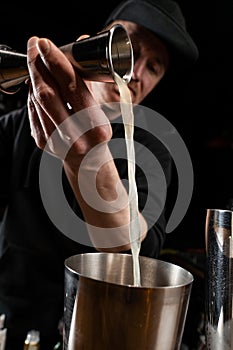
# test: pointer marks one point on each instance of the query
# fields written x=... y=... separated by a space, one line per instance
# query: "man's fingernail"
x=32 y=42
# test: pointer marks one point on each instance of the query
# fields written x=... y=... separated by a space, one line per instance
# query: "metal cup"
x=103 y=309
x=96 y=58
x=219 y=279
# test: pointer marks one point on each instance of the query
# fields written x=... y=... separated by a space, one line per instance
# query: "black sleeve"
x=5 y=158
x=153 y=181
x=10 y=123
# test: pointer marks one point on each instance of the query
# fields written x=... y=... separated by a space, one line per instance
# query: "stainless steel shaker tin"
x=219 y=279
x=103 y=310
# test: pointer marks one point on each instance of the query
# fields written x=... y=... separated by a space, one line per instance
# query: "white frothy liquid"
x=135 y=227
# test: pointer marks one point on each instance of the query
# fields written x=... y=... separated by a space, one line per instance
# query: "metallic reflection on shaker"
x=96 y=58
x=219 y=279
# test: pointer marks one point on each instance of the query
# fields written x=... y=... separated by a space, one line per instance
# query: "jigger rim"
x=128 y=75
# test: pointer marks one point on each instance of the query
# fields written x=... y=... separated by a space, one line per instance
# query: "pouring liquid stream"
x=134 y=227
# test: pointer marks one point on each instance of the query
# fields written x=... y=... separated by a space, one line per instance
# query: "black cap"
x=165 y=19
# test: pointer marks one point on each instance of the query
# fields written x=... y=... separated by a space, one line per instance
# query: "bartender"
x=33 y=242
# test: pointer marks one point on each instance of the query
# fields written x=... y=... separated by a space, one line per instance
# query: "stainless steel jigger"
x=96 y=58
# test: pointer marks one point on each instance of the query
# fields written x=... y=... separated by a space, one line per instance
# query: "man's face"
x=151 y=60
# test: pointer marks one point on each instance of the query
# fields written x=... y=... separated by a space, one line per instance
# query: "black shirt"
x=32 y=248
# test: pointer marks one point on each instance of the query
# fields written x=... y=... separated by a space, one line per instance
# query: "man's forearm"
x=103 y=200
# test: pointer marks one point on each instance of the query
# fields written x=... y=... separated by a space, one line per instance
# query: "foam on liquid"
x=135 y=227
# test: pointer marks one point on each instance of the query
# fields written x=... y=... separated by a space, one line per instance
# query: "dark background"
x=198 y=104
